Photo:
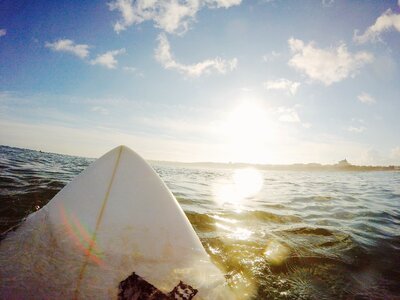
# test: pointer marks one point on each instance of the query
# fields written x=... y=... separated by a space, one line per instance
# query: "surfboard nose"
x=115 y=218
x=121 y=198
x=120 y=148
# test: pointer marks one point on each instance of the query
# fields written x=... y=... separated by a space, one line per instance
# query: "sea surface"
x=276 y=234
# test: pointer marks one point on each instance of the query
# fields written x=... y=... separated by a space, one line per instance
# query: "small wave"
x=310 y=230
x=201 y=222
x=264 y=216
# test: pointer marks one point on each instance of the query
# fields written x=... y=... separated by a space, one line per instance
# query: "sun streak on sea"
x=236 y=189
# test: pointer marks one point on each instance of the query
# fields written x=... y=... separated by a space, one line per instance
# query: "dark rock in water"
x=136 y=288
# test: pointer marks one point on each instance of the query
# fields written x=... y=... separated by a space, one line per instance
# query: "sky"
x=263 y=81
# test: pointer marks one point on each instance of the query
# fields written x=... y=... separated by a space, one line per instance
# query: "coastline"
x=341 y=166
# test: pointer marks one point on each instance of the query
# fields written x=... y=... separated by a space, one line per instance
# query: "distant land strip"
x=342 y=165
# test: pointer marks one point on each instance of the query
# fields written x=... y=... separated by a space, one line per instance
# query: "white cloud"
x=82 y=50
x=164 y=56
x=246 y=89
x=125 y=7
x=108 y=59
x=355 y=120
x=99 y=109
x=271 y=56
x=69 y=46
x=327 y=3
x=221 y=3
x=385 y=22
x=288 y=114
x=326 y=65
x=3 y=32
x=172 y=16
x=366 y=98
x=282 y=84
x=355 y=129
x=130 y=69
x=133 y=70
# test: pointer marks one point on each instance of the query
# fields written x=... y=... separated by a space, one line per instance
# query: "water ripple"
x=304 y=235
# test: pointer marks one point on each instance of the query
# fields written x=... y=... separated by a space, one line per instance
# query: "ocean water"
x=276 y=234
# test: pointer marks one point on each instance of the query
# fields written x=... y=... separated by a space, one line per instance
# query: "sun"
x=248 y=129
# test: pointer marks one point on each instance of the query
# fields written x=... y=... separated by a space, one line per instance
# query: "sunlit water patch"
x=276 y=235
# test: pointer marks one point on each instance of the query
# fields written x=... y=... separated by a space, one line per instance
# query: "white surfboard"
x=115 y=218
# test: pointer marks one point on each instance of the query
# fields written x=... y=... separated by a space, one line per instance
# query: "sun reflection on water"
x=235 y=233
x=248 y=182
x=242 y=185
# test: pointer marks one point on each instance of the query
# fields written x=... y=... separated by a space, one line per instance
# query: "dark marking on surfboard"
x=98 y=222
x=136 y=288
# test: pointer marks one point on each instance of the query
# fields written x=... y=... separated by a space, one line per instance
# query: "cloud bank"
x=172 y=16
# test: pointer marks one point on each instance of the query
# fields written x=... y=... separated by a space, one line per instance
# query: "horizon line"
x=231 y=163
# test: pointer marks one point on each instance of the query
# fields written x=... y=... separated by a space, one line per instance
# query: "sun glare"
x=247 y=121
x=247 y=130
x=244 y=184
x=248 y=182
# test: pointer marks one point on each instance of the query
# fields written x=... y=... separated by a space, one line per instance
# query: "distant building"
x=343 y=163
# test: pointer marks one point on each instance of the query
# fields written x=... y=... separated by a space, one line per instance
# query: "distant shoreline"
x=291 y=167
x=340 y=166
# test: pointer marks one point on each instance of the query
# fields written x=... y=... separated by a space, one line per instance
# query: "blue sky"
x=203 y=80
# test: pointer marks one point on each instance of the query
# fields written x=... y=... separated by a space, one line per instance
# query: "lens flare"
x=81 y=236
x=276 y=253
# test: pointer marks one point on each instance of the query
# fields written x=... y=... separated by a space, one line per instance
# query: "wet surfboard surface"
x=117 y=217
